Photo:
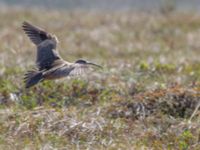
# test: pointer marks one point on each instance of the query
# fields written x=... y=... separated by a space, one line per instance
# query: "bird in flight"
x=49 y=64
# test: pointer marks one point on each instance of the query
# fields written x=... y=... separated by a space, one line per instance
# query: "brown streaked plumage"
x=49 y=63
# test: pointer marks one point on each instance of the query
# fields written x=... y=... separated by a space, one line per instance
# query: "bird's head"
x=84 y=62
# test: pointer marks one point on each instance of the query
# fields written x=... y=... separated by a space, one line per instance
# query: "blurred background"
x=183 y=5
x=143 y=98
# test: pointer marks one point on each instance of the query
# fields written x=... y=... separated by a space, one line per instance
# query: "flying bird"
x=49 y=64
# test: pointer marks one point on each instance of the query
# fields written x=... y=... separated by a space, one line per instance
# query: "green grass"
x=142 y=99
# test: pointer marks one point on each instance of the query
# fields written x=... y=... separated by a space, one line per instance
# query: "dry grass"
x=142 y=99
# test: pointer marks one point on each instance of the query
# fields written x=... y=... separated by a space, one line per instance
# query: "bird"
x=49 y=64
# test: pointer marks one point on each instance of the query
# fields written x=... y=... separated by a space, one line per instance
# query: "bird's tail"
x=32 y=77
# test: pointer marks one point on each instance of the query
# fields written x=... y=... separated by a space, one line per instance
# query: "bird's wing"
x=46 y=46
x=35 y=34
x=79 y=69
x=58 y=71
x=47 y=56
x=66 y=69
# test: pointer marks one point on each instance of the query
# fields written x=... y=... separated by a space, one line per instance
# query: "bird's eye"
x=81 y=61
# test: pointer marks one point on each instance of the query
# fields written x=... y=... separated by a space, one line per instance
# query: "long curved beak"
x=93 y=64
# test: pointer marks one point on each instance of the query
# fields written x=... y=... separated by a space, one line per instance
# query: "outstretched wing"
x=80 y=70
x=66 y=69
x=46 y=46
x=60 y=68
x=35 y=34
x=47 y=56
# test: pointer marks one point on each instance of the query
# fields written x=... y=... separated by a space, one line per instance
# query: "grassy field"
x=142 y=99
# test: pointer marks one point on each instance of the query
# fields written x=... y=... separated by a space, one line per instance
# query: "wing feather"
x=67 y=69
x=36 y=34
x=47 y=56
x=79 y=70
x=46 y=46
